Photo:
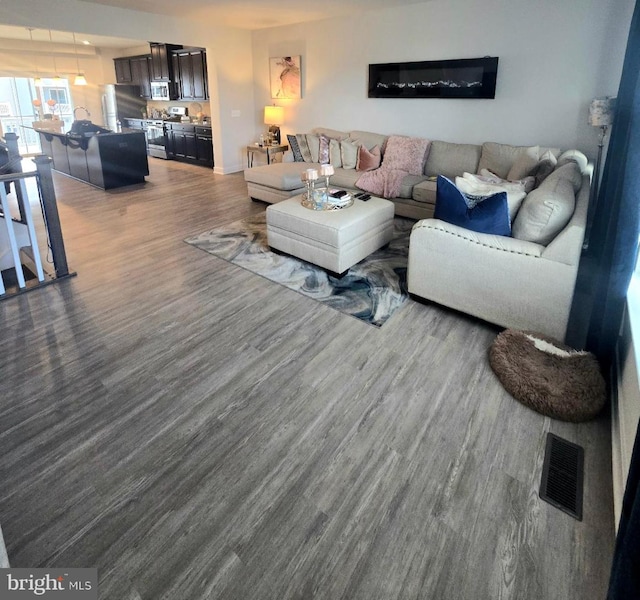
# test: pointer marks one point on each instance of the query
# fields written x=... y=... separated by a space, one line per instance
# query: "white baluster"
x=11 y=234
x=28 y=216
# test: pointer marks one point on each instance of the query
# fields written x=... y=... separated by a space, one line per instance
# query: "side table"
x=268 y=150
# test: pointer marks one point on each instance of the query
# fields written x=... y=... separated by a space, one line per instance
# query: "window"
x=19 y=97
x=57 y=94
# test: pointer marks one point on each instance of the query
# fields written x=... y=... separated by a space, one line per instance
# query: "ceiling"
x=255 y=14
x=65 y=37
x=242 y=14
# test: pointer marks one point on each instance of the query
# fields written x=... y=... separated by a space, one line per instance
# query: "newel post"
x=51 y=216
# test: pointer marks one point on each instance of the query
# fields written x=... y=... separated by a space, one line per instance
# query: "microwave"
x=160 y=90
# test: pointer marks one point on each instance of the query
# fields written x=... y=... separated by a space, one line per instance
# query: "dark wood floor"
x=197 y=432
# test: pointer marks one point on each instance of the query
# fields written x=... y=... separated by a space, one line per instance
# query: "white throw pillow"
x=349 y=153
x=475 y=186
x=573 y=155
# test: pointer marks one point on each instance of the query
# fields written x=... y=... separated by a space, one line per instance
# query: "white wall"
x=625 y=396
x=228 y=57
x=554 y=58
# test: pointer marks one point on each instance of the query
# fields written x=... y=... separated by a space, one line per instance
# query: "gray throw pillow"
x=304 y=147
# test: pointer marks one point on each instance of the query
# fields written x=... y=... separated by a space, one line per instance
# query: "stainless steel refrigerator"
x=121 y=102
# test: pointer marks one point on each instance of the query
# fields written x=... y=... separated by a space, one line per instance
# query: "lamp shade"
x=273 y=115
x=601 y=111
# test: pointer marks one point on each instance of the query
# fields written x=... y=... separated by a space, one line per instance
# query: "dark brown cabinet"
x=190 y=72
x=135 y=70
x=140 y=74
x=204 y=146
x=108 y=160
x=123 y=70
x=161 y=65
x=189 y=143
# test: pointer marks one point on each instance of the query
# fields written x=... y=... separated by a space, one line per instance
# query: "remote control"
x=365 y=197
x=339 y=194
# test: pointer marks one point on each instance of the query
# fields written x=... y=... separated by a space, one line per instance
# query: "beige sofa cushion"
x=547 y=210
x=345 y=178
x=526 y=160
x=500 y=158
x=369 y=139
x=281 y=176
x=408 y=183
x=425 y=191
x=332 y=134
x=451 y=160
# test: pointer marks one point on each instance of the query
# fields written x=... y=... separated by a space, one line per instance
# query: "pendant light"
x=37 y=81
x=80 y=78
x=56 y=78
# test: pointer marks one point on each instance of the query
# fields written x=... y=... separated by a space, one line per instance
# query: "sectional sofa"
x=525 y=281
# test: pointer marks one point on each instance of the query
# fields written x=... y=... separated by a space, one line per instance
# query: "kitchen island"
x=105 y=160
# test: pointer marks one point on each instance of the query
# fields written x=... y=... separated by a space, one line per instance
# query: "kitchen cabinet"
x=190 y=72
x=204 y=146
x=140 y=74
x=189 y=143
x=123 y=70
x=135 y=70
x=161 y=65
x=107 y=160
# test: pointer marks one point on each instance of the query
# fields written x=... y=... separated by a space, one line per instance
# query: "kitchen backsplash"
x=192 y=107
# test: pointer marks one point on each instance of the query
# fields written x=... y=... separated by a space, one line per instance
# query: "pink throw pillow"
x=368 y=160
x=406 y=153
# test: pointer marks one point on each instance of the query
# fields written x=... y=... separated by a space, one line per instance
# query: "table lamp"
x=274 y=116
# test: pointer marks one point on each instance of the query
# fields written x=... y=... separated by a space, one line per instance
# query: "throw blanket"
x=403 y=156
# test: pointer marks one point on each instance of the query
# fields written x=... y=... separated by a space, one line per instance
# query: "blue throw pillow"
x=484 y=215
x=295 y=148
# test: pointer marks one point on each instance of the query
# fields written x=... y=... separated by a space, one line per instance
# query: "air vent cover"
x=562 y=476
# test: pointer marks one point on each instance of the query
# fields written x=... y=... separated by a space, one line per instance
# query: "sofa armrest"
x=567 y=245
x=499 y=279
x=497 y=242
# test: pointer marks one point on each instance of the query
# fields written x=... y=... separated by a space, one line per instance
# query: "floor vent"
x=562 y=476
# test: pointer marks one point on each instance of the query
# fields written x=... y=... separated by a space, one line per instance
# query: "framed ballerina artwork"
x=285 y=77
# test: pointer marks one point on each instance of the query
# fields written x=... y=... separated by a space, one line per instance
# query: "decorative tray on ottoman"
x=327 y=202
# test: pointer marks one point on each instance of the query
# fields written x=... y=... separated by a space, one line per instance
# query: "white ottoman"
x=334 y=240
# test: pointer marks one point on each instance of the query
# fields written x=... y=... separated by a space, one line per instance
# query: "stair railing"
x=11 y=173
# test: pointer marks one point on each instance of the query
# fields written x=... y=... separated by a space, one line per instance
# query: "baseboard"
x=228 y=170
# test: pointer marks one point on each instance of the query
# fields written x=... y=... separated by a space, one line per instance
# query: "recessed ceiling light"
x=86 y=42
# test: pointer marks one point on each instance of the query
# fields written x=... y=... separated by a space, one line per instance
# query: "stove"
x=156 y=137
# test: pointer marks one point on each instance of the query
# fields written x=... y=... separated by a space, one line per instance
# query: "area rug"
x=371 y=291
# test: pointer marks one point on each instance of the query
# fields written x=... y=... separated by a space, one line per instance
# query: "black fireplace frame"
x=459 y=78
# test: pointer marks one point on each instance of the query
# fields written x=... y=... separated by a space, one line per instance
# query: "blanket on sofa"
x=403 y=156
